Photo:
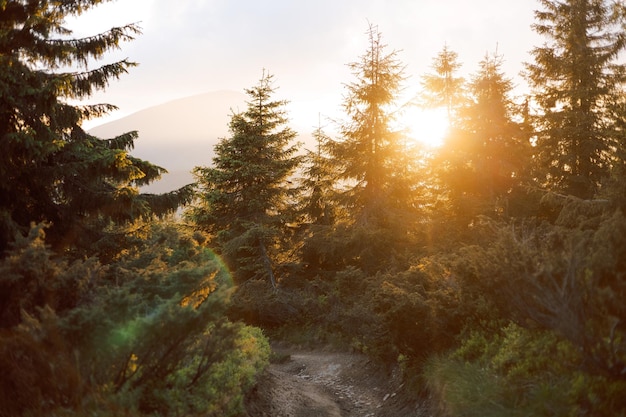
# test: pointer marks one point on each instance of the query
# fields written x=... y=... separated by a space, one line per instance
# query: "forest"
x=491 y=270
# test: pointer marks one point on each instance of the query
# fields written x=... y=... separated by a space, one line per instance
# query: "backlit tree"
x=486 y=153
x=379 y=191
x=444 y=88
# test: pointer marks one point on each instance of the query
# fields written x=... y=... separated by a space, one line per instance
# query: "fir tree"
x=243 y=199
x=370 y=147
x=379 y=189
x=318 y=200
x=575 y=76
x=318 y=205
x=443 y=88
x=50 y=168
x=486 y=154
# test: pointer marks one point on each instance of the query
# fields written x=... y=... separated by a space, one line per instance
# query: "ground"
x=323 y=383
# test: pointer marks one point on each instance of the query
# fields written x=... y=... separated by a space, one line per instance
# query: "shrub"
x=149 y=336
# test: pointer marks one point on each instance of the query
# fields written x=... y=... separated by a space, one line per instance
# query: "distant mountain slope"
x=178 y=135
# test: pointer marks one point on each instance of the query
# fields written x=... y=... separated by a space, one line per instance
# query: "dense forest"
x=490 y=270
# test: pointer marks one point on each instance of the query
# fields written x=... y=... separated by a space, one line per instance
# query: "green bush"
x=148 y=335
x=520 y=372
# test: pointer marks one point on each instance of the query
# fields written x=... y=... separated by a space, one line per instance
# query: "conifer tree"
x=486 y=153
x=379 y=191
x=318 y=201
x=575 y=76
x=444 y=88
x=370 y=146
x=243 y=199
x=50 y=168
x=318 y=206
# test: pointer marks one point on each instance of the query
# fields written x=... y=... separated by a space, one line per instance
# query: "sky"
x=200 y=46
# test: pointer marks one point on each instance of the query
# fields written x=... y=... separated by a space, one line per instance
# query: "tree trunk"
x=268 y=264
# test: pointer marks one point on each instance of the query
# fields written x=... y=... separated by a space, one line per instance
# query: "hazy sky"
x=195 y=46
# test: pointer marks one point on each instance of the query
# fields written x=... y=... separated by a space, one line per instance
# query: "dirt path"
x=328 y=384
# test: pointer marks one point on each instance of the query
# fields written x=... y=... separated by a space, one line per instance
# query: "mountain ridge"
x=180 y=134
x=177 y=135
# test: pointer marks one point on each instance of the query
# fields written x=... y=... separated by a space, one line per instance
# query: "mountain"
x=178 y=135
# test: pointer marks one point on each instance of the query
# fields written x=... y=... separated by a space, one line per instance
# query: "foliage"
x=575 y=78
x=444 y=88
x=370 y=145
x=520 y=371
x=318 y=199
x=550 y=337
x=567 y=280
x=51 y=169
x=148 y=335
x=39 y=369
x=498 y=283
x=486 y=153
x=421 y=311
x=377 y=193
x=243 y=199
x=32 y=277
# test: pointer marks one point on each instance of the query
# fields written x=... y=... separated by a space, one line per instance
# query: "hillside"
x=178 y=135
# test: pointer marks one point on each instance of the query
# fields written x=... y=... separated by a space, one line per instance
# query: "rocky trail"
x=318 y=383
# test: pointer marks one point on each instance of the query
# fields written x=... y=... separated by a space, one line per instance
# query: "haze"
x=209 y=45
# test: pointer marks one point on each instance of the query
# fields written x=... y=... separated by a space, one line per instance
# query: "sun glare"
x=426 y=126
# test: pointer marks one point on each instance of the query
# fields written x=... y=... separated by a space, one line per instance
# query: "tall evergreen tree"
x=444 y=88
x=318 y=200
x=370 y=146
x=50 y=168
x=244 y=198
x=575 y=76
x=379 y=191
x=318 y=205
x=486 y=153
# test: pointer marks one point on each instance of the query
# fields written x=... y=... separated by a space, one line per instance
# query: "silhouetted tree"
x=487 y=152
x=318 y=182
x=443 y=88
x=378 y=186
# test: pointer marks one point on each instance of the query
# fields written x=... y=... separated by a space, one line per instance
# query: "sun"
x=427 y=127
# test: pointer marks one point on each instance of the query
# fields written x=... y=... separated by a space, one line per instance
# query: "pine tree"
x=443 y=88
x=243 y=199
x=379 y=189
x=575 y=76
x=486 y=153
x=370 y=146
x=50 y=168
x=318 y=199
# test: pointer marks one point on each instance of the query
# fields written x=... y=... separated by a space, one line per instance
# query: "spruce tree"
x=318 y=199
x=244 y=197
x=443 y=88
x=370 y=145
x=51 y=169
x=575 y=77
x=486 y=153
x=379 y=191
x=318 y=207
